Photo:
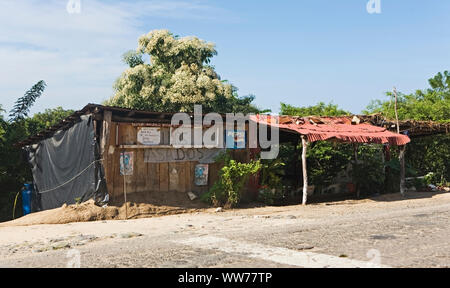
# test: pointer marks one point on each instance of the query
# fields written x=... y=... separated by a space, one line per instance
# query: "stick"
x=124 y=184
x=396 y=113
x=355 y=152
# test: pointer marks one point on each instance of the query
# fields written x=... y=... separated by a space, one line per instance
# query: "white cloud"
x=78 y=55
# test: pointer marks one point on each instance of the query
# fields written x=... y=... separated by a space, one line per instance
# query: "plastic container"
x=26 y=198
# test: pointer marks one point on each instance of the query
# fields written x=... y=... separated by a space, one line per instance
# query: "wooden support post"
x=305 y=174
x=387 y=169
x=296 y=164
x=124 y=184
x=107 y=158
x=401 y=158
x=355 y=166
x=104 y=143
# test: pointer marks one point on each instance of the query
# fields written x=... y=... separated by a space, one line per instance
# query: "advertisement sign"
x=126 y=163
x=149 y=136
x=201 y=174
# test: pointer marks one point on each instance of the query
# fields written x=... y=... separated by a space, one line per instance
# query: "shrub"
x=227 y=190
x=272 y=190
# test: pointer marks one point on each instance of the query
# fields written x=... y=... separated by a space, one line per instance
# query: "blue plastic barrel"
x=26 y=199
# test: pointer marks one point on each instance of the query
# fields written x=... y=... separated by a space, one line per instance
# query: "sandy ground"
x=88 y=211
x=406 y=232
x=326 y=208
x=39 y=226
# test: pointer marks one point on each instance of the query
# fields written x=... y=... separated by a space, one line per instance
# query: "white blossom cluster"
x=177 y=77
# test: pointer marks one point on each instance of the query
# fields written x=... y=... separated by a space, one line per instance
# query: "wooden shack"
x=126 y=143
x=111 y=153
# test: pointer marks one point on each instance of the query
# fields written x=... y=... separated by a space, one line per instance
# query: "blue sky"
x=297 y=52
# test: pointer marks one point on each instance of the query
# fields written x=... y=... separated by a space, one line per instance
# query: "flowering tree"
x=177 y=77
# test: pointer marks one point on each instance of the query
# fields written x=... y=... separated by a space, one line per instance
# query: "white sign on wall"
x=149 y=136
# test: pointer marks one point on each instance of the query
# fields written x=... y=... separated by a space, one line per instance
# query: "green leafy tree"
x=14 y=168
x=321 y=109
x=177 y=77
x=43 y=120
x=430 y=104
x=441 y=82
x=2 y=130
x=23 y=104
x=325 y=159
x=426 y=154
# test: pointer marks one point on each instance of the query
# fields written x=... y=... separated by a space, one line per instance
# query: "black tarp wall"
x=66 y=168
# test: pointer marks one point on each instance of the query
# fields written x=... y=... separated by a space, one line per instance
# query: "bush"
x=368 y=173
x=272 y=190
x=227 y=190
x=430 y=155
x=326 y=160
x=14 y=168
x=419 y=184
x=272 y=196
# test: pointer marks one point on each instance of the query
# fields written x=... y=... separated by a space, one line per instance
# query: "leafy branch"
x=24 y=103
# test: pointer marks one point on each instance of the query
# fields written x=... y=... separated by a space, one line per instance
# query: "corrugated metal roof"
x=339 y=128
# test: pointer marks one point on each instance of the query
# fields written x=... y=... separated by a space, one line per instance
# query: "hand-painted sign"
x=160 y=155
x=235 y=139
x=149 y=136
x=126 y=163
x=201 y=174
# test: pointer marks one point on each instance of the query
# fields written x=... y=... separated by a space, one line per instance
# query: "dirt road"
x=379 y=232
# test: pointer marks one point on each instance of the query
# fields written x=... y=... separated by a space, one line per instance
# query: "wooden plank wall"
x=150 y=177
